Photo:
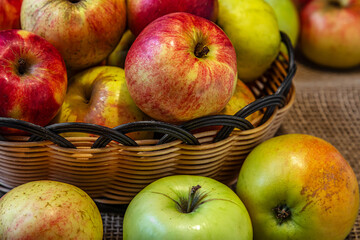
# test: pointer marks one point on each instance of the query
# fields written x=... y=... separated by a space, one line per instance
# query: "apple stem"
x=22 y=67
x=282 y=213
x=192 y=193
x=340 y=3
x=201 y=50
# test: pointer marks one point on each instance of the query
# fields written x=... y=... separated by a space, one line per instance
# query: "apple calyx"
x=339 y=3
x=74 y=1
x=201 y=50
x=22 y=67
x=282 y=213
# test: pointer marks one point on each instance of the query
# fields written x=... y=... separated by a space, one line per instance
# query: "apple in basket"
x=330 y=32
x=142 y=12
x=99 y=95
x=288 y=19
x=84 y=31
x=33 y=78
x=49 y=210
x=181 y=67
x=253 y=29
x=187 y=207
x=10 y=14
x=298 y=187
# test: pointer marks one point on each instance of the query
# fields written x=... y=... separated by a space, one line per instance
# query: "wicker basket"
x=113 y=168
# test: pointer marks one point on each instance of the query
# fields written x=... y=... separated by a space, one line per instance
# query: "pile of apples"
x=110 y=62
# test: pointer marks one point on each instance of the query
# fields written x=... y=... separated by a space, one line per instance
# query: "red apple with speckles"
x=142 y=12
x=84 y=31
x=181 y=67
x=33 y=78
x=330 y=32
x=10 y=14
x=300 y=3
x=49 y=210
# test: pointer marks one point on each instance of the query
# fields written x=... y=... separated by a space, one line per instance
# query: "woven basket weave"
x=113 y=168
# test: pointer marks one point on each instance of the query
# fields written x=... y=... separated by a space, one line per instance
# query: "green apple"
x=288 y=18
x=299 y=187
x=49 y=210
x=186 y=207
x=252 y=27
x=99 y=95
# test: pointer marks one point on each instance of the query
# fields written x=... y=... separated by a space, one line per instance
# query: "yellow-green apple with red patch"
x=298 y=187
x=99 y=95
x=181 y=67
x=142 y=12
x=10 y=14
x=84 y=31
x=187 y=207
x=330 y=32
x=49 y=210
x=253 y=29
x=33 y=78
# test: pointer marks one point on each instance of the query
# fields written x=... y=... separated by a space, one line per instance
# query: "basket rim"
x=275 y=103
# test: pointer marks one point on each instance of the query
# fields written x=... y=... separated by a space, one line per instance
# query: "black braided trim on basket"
x=215 y=120
x=109 y=133
x=277 y=99
x=35 y=130
x=153 y=126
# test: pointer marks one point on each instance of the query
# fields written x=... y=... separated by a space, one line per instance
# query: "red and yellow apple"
x=10 y=14
x=253 y=29
x=330 y=32
x=49 y=210
x=33 y=78
x=298 y=187
x=181 y=67
x=84 y=31
x=99 y=95
x=242 y=97
x=142 y=12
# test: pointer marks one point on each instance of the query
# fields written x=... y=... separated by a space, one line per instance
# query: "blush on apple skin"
x=84 y=32
x=165 y=78
x=10 y=14
x=330 y=35
x=36 y=95
x=142 y=12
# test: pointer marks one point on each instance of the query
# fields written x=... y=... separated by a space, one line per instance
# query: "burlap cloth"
x=327 y=105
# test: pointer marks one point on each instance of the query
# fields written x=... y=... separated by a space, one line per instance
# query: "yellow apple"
x=252 y=27
x=100 y=96
x=118 y=56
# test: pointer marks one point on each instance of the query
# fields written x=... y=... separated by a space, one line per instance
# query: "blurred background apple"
x=330 y=32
